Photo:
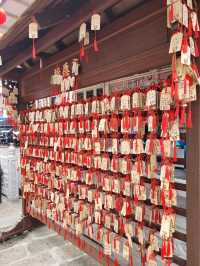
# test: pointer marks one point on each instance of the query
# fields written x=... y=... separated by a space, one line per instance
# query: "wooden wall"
x=132 y=44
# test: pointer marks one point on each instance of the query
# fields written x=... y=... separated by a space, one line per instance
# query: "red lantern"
x=2 y=16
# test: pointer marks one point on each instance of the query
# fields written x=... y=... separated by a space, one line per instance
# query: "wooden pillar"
x=193 y=187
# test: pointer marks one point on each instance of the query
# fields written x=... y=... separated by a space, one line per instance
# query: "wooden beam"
x=109 y=14
x=44 y=55
x=57 y=33
x=55 y=14
x=26 y=64
x=14 y=74
x=193 y=187
x=60 y=45
x=27 y=223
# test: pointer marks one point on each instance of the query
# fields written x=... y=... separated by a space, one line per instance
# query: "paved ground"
x=40 y=247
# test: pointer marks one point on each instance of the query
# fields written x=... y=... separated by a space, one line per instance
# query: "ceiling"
x=50 y=14
x=14 y=9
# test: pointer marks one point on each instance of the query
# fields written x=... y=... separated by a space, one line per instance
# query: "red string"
x=171 y=13
x=82 y=51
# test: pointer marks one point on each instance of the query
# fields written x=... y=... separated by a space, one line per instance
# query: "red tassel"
x=184 y=46
x=143 y=260
x=115 y=162
x=182 y=120
x=176 y=90
x=171 y=13
x=189 y=120
x=121 y=226
x=174 y=74
x=82 y=52
x=116 y=263
x=118 y=204
x=163 y=199
x=168 y=248
x=165 y=122
x=151 y=145
x=168 y=173
x=163 y=250
x=107 y=261
x=131 y=260
x=34 y=50
x=190 y=28
x=126 y=121
x=175 y=158
x=95 y=44
x=196 y=34
x=174 y=84
x=196 y=49
x=114 y=123
x=154 y=121
x=168 y=262
x=128 y=208
x=100 y=253
x=78 y=241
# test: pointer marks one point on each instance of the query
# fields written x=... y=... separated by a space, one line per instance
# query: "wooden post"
x=193 y=187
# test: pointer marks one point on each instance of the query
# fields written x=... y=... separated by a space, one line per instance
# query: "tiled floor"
x=40 y=247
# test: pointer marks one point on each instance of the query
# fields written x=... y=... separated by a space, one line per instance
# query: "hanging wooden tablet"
x=95 y=26
x=33 y=34
x=82 y=36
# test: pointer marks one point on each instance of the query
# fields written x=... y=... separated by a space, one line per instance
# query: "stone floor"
x=40 y=247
